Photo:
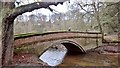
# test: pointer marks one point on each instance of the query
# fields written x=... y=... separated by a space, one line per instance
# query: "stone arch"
x=71 y=46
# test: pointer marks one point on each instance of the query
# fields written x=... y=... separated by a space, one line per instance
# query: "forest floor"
x=26 y=59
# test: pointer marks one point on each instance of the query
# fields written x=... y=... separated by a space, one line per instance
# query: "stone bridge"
x=73 y=41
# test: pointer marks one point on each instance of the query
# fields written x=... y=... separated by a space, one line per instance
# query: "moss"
x=21 y=49
x=37 y=50
x=40 y=50
x=31 y=48
x=25 y=48
x=25 y=35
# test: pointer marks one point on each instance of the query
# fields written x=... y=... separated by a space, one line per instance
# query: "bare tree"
x=7 y=26
x=94 y=12
x=97 y=16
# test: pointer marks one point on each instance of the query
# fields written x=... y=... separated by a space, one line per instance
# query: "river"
x=90 y=59
x=76 y=59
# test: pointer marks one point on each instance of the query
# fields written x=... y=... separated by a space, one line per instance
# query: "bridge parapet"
x=55 y=36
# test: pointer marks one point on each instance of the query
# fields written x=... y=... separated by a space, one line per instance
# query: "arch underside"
x=72 y=46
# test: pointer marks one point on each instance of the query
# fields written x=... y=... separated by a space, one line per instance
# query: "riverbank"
x=103 y=55
x=26 y=59
x=106 y=49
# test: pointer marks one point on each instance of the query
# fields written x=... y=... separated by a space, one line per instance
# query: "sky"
x=60 y=8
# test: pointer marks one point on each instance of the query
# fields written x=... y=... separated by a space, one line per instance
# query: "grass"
x=25 y=35
x=52 y=32
x=31 y=48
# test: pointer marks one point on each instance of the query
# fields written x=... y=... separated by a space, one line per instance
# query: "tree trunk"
x=118 y=21
x=99 y=24
x=96 y=9
x=119 y=30
x=7 y=35
x=7 y=41
x=0 y=36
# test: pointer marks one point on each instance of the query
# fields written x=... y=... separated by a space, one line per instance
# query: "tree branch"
x=30 y=7
x=87 y=12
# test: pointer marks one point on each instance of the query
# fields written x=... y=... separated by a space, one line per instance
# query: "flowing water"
x=90 y=59
x=57 y=57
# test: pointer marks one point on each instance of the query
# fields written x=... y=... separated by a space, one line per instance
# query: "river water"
x=58 y=57
x=90 y=59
